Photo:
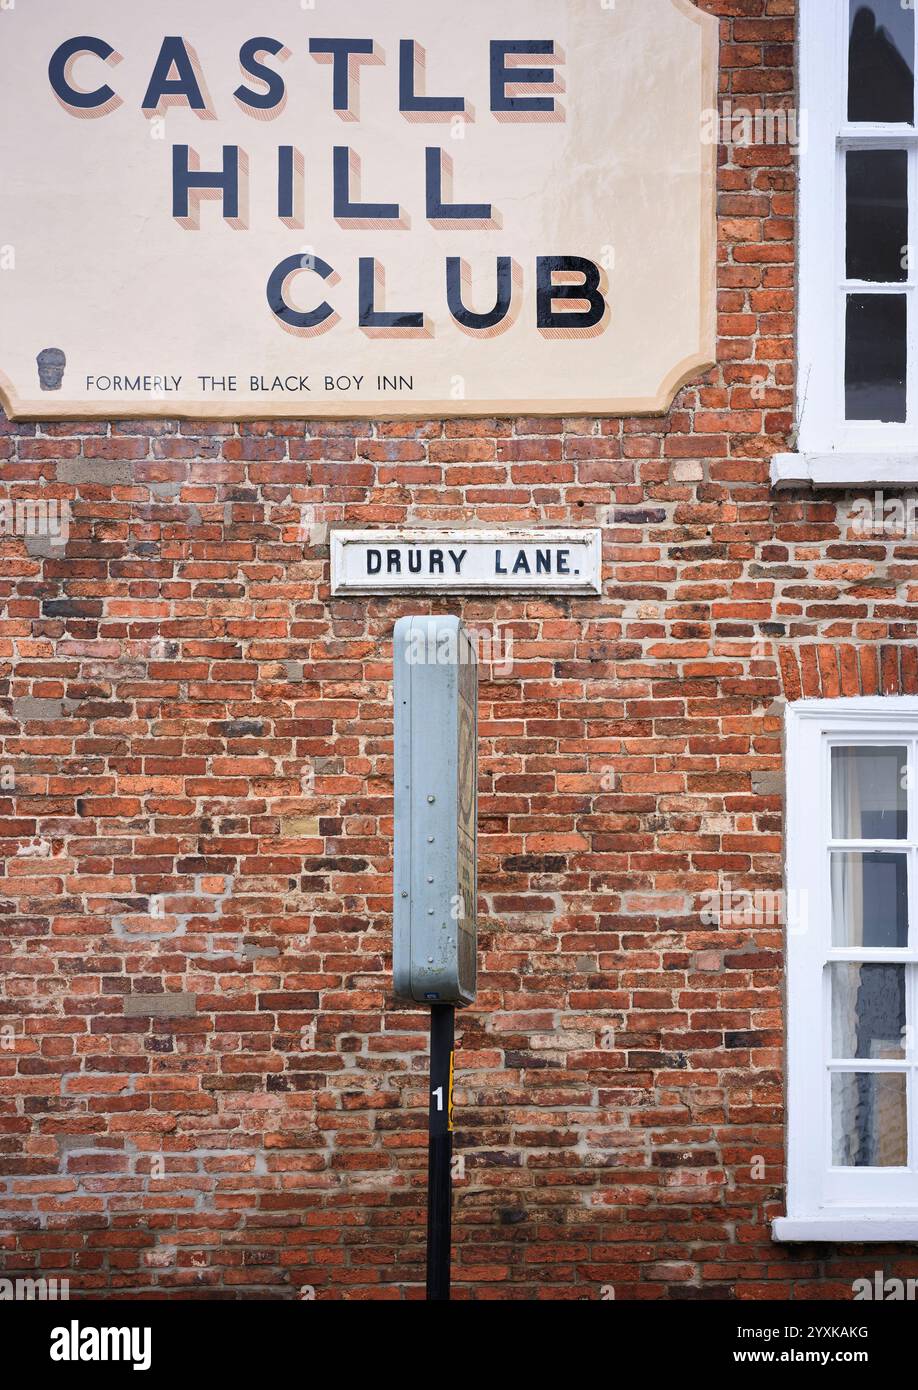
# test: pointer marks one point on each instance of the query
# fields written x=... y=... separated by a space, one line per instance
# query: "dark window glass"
x=881 y=61
x=869 y=1120
x=868 y=1011
x=877 y=198
x=869 y=798
x=869 y=899
x=875 y=357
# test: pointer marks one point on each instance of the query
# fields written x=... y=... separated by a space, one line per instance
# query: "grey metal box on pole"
x=435 y=945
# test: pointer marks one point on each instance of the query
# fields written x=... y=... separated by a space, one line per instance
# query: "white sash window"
x=857 y=383
x=852 y=873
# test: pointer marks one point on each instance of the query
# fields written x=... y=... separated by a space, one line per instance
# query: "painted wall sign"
x=519 y=561
x=418 y=208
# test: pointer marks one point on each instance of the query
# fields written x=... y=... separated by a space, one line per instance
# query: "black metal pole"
x=440 y=1151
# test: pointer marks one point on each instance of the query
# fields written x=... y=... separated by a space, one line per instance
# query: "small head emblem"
x=51 y=364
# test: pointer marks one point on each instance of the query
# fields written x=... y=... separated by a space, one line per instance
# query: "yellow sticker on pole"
x=449 y=1101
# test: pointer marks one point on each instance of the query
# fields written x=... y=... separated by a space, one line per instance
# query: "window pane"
x=868 y=793
x=869 y=1128
x=875 y=357
x=869 y=900
x=868 y=1011
x=881 y=84
x=877 y=201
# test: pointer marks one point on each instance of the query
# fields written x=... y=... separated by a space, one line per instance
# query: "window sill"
x=898 y=469
x=846 y=1229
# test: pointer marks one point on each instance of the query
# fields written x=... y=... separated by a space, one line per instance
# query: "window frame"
x=823 y=1202
x=865 y=451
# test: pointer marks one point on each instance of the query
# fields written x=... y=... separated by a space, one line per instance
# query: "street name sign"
x=517 y=560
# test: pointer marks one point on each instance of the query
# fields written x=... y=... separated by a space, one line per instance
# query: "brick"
x=105 y=471
x=159 y=1005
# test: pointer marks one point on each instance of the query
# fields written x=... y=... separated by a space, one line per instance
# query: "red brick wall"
x=205 y=1086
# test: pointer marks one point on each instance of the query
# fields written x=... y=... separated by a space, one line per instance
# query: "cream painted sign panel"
x=210 y=208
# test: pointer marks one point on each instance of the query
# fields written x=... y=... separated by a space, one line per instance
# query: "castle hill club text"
x=523 y=75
